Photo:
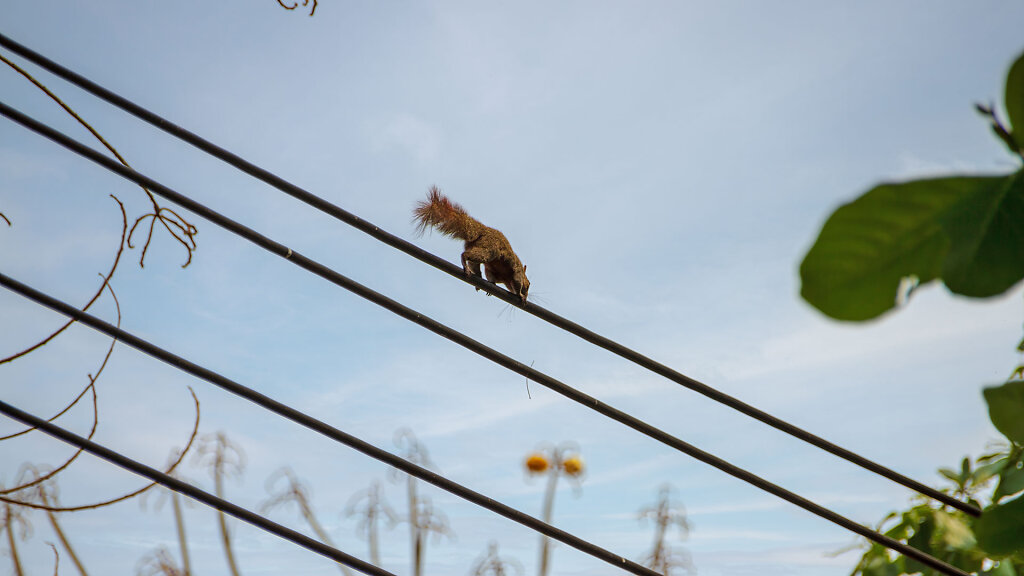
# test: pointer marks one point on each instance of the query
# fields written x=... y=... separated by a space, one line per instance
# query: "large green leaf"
x=986 y=233
x=854 y=269
x=1000 y=530
x=1006 y=409
x=1015 y=99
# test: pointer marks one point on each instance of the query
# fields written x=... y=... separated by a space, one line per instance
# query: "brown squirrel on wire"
x=484 y=245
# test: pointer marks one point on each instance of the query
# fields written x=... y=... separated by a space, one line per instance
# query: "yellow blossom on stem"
x=573 y=466
x=536 y=463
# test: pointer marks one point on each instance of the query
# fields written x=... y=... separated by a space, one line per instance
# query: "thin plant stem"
x=549 y=504
x=415 y=534
x=11 y=540
x=223 y=520
x=179 y=522
x=64 y=542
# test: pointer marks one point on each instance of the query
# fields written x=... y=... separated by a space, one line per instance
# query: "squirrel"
x=484 y=245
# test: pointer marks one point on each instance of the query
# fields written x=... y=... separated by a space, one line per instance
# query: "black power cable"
x=453 y=270
x=243 y=514
x=469 y=343
x=323 y=428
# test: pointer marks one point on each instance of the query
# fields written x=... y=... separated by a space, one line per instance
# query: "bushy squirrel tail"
x=446 y=217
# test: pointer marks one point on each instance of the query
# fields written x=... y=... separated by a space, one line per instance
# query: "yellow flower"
x=536 y=463
x=573 y=466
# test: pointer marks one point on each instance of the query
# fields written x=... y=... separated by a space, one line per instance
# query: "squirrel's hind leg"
x=471 y=265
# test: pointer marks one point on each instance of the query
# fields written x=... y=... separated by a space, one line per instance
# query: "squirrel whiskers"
x=484 y=245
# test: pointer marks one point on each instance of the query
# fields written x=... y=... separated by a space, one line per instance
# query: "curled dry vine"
x=180 y=229
x=91 y=387
x=295 y=5
x=169 y=470
x=47 y=493
x=95 y=297
x=36 y=488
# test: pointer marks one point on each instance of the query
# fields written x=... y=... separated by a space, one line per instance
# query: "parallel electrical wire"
x=243 y=514
x=322 y=428
x=469 y=343
x=457 y=272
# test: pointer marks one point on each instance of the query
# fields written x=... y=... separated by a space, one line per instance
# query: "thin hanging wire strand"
x=243 y=514
x=321 y=427
x=471 y=344
x=457 y=272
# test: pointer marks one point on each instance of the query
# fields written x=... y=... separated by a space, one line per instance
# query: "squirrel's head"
x=521 y=284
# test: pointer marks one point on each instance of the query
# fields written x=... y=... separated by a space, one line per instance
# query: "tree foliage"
x=967 y=231
x=992 y=545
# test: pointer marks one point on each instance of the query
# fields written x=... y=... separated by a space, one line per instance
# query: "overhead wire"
x=467 y=342
x=243 y=514
x=321 y=427
x=457 y=272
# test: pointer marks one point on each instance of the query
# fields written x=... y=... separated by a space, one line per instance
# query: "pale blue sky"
x=660 y=167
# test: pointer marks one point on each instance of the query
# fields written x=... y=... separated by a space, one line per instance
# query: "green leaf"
x=1006 y=409
x=867 y=247
x=986 y=233
x=1000 y=530
x=949 y=473
x=854 y=268
x=922 y=540
x=984 y=473
x=1011 y=481
x=1015 y=99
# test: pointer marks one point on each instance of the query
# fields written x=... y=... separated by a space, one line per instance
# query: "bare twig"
x=46 y=493
x=372 y=507
x=494 y=565
x=415 y=452
x=9 y=516
x=666 y=513
x=95 y=408
x=182 y=231
x=179 y=518
x=297 y=492
x=296 y=5
x=56 y=558
x=170 y=469
x=224 y=459
x=158 y=563
x=99 y=292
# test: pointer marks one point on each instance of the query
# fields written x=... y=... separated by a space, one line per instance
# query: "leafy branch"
x=966 y=230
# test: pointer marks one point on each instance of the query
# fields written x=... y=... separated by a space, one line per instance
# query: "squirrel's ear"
x=524 y=268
